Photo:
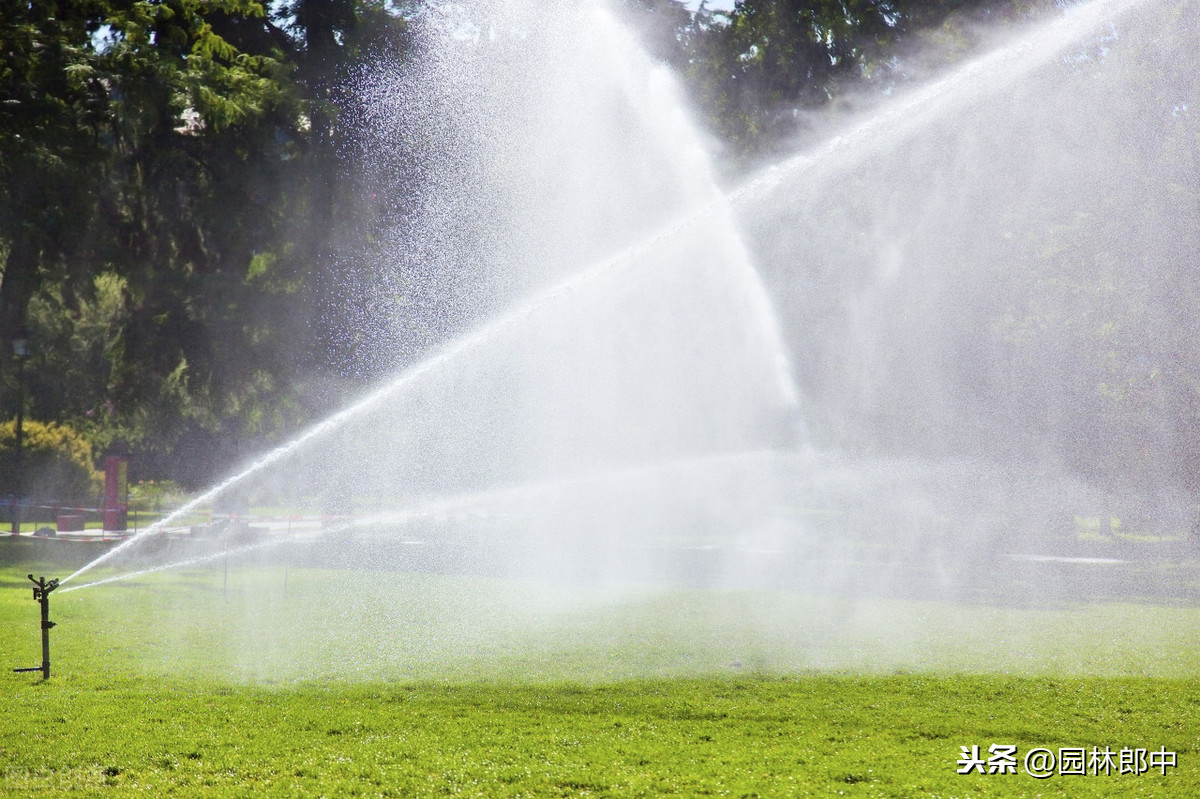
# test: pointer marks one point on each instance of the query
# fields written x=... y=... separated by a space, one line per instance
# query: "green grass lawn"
x=306 y=682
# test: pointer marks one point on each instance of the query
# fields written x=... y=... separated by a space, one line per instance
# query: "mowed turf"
x=180 y=683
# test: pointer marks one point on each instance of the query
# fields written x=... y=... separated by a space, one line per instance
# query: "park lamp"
x=20 y=347
x=20 y=344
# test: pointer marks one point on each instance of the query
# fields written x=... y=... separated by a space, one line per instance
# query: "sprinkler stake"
x=41 y=594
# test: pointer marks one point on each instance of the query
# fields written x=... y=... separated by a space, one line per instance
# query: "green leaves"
x=140 y=144
x=760 y=69
x=56 y=461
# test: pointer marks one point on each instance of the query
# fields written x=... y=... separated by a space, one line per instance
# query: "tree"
x=172 y=172
x=759 y=71
x=54 y=108
x=138 y=142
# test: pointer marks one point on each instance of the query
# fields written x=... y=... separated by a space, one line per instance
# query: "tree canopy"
x=167 y=166
x=172 y=171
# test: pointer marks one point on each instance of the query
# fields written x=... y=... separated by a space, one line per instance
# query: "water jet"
x=821 y=380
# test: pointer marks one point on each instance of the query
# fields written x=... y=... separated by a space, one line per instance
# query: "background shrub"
x=56 y=461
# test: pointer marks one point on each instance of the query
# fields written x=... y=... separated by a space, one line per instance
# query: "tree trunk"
x=20 y=281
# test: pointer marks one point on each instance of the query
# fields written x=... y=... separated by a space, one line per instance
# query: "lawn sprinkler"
x=41 y=594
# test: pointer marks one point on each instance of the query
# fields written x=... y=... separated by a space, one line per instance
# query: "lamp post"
x=20 y=345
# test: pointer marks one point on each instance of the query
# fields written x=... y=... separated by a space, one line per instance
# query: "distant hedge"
x=56 y=461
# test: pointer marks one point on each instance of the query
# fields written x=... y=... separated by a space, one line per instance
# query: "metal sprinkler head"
x=41 y=594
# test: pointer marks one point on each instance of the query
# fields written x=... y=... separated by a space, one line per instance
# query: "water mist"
x=774 y=425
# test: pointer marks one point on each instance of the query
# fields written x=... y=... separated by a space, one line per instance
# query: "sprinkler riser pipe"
x=46 y=625
x=41 y=594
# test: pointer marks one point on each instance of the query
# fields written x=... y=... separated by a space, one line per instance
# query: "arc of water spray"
x=454 y=503
x=1052 y=39
x=179 y=564
x=911 y=109
x=410 y=376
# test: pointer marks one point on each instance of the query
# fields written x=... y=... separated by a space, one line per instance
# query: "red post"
x=116 y=492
